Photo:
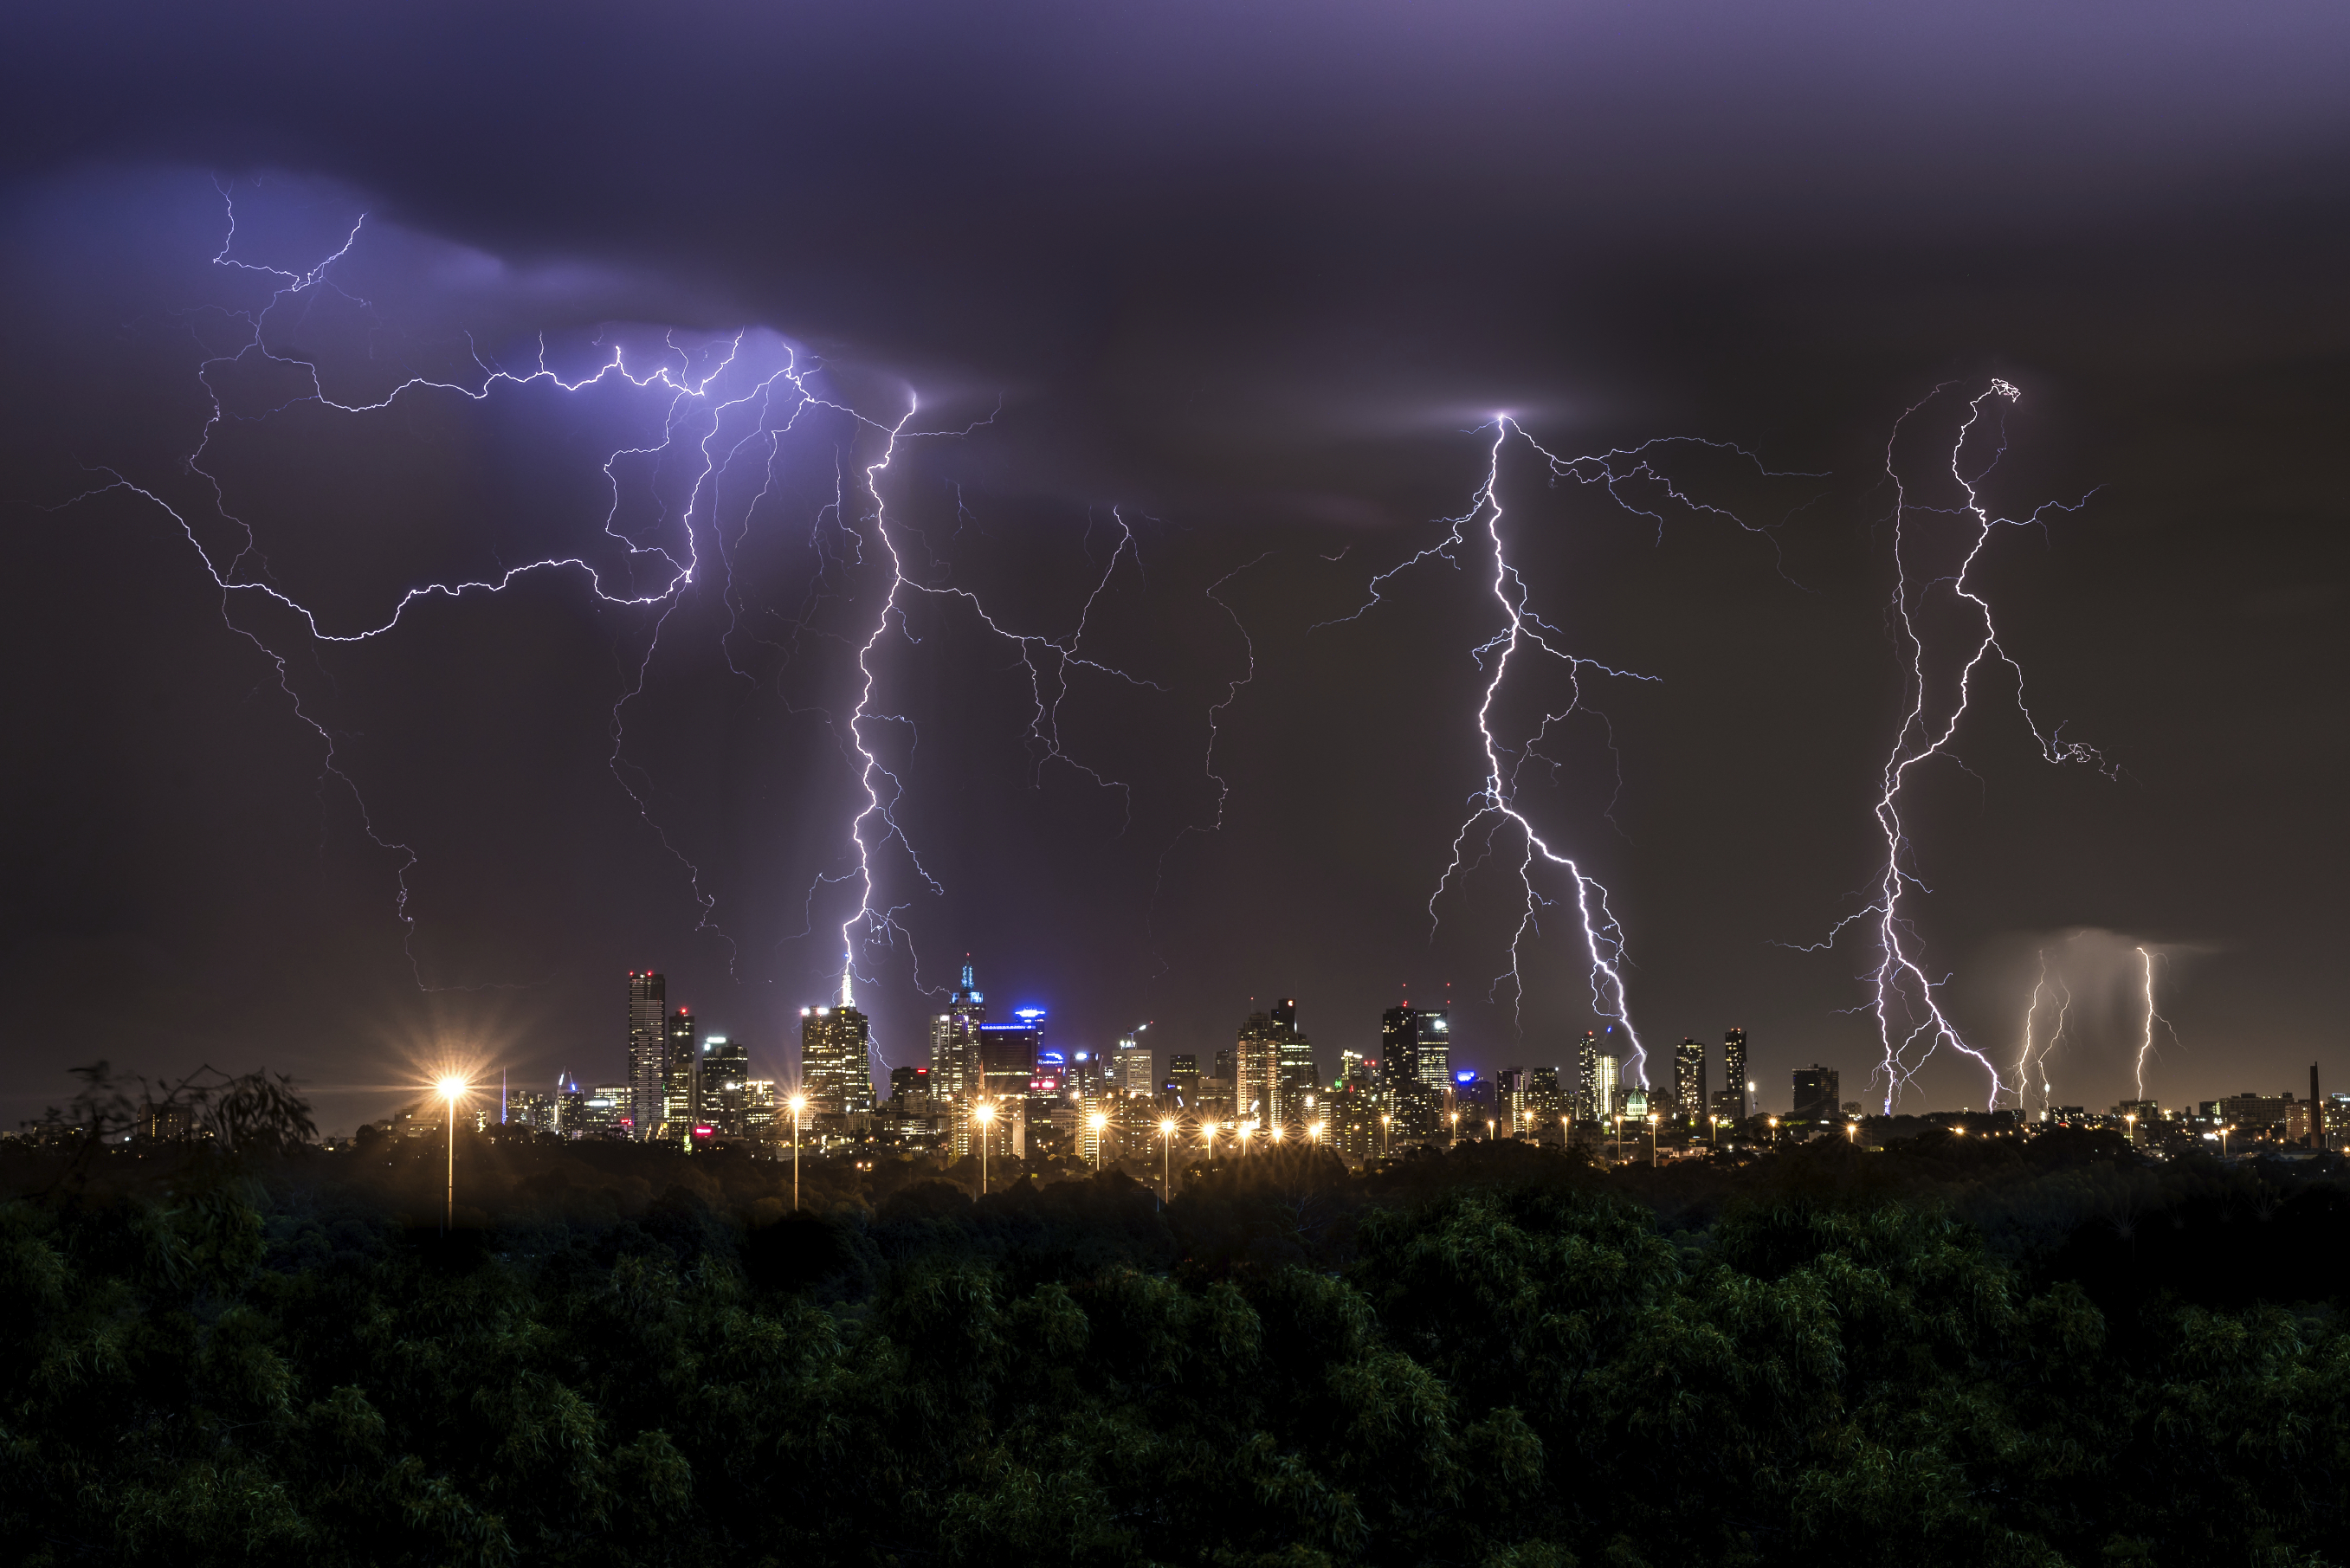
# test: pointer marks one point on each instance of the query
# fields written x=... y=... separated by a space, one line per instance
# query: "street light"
x=2131 y=1118
x=1314 y=1133
x=2223 y=1140
x=1717 y=1132
x=1385 y=1122
x=1565 y=1134
x=1167 y=1158
x=984 y=1114
x=452 y=1089
x=1852 y=1133
x=1653 y=1120
x=1098 y=1120
x=1456 y=1126
x=798 y=1103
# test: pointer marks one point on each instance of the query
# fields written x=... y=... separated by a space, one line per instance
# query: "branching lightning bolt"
x=1911 y=1019
x=719 y=402
x=1494 y=805
x=2031 y=1061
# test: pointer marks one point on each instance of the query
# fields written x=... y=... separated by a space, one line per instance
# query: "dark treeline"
x=1951 y=1351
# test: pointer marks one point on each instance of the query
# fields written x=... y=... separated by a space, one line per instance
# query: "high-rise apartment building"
x=648 y=1052
x=1545 y=1100
x=1735 y=1078
x=1510 y=1106
x=1688 y=1083
x=1597 y=1069
x=834 y=1072
x=680 y=1075
x=1273 y=1067
x=1818 y=1096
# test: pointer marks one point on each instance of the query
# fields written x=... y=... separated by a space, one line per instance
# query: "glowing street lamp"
x=1456 y=1126
x=984 y=1114
x=798 y=1103
x=1167 y=1158
x=1241 y=1131
x=1566 y=1132
x=2131 y=1118
x=1385 y=1122
x=1098 y=1121
x=1314 y=1133
x=1653 y=1120
x=1852 y=1133
x=2223 y=1140
x=452 y=1089
x=1717 y=1132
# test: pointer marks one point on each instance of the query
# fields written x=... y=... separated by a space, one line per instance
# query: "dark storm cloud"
x=1251 y=269
x=1226 y=218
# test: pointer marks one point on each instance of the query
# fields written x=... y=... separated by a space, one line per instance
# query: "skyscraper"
x=1688 y=1083
x=954 y=1042
x=1734 y=1078
x=725 y=1082
x=835 y=1073
x=680 y=1075
x=1818 y=1097
x=1009 y=1053
x=1256 y=1071
x=1293 y=1067
x=1135 y=1066
x=648 y=1051
x=1416 y=1043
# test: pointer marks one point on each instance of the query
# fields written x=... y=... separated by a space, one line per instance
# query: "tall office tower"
x=954 y=1042
x=725 y=1080
x=680 y=1066
x=1509 y=1099
x=1415 y=1045
x=1256 y=1070
x=1608 y=1090
x=1293 y=1067
x=1355 y=1067
x=647 y=1049
x=909 y=1090
x=1734 y=1077
x=835 y=1073
x=1818 y=1097
x=1688 y=1083
x=1136 y=1067
x=1183 y=1079
x=1009 y=1054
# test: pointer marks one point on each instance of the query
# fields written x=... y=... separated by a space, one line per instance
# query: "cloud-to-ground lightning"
x=2031 y=1060
x=734 y=394
x=2146 y=1035
x=1495 y=805
x=1911 y=1021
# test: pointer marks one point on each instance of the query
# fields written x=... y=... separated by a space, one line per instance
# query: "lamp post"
x=1717 y=1134
x=1774 y=1131
x=1456 y=1126
x=2130 y=1117
x=1099 y=1121
x=1619 y=1137
x=798 y=1103
x=452 y=1089
x=1653 y=1119
x=1385 y=1121
x=1241 y=1130
x=2223 y=1140
x=1167 y=1159
x=1314 y=1133
x=1852 y=1133
x=1565 y=1133
x=985 y=1114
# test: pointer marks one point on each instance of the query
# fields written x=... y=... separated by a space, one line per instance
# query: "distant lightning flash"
x=2146 y=1038
x=1910 y=1020
x=1494 y=806
x=711 y=419
x=2032 y=1062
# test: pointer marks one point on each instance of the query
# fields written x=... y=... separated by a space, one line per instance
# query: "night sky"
x=1226 y=298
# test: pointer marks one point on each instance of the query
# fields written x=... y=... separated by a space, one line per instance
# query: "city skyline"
x=1693 y=559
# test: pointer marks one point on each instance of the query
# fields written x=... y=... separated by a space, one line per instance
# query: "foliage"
x=1496 y=1359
